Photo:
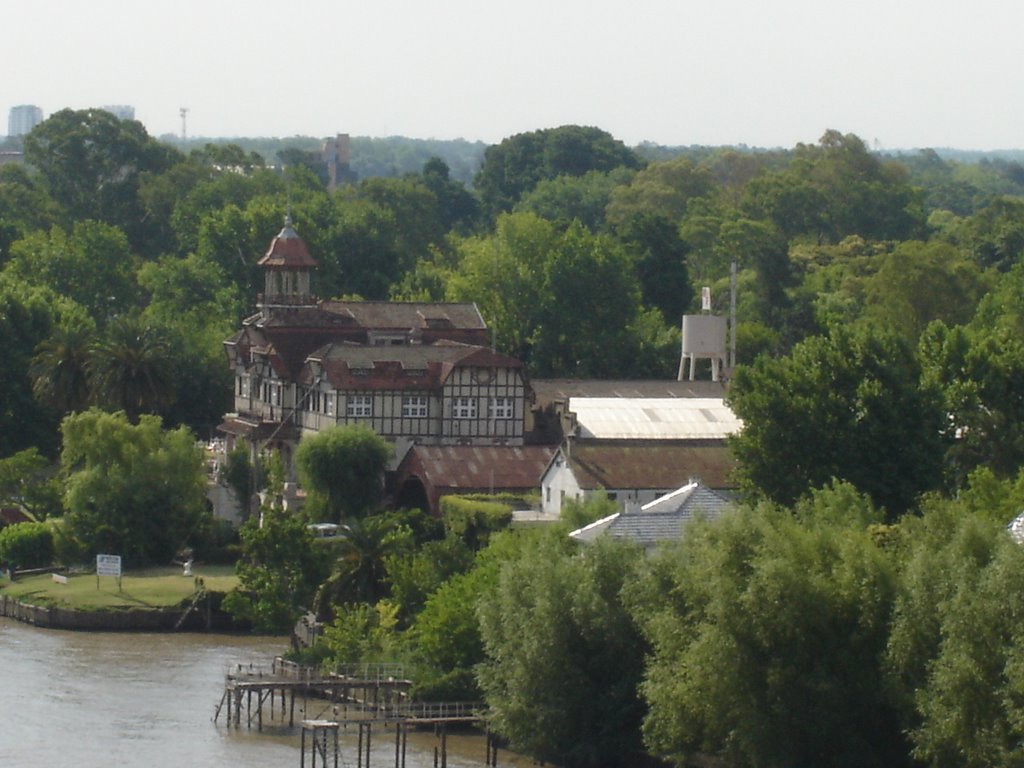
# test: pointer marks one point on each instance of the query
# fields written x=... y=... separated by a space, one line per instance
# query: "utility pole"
x=732 y=315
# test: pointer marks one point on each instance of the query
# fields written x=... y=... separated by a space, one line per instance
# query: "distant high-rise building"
x=23 y=118
x=335 y=154
x=120 y=111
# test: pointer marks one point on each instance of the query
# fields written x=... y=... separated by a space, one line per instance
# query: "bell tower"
x=287 y=266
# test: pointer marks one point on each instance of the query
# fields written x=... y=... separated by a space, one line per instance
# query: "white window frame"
x=464 y=407
x=414 y=407
x=502 y=408
x=359 y=406
x=243 y=386
x=329 y=404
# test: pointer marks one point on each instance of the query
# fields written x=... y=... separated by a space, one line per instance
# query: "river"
x=99 y=699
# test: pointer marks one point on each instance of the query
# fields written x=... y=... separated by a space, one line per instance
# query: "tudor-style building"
x=416 y=372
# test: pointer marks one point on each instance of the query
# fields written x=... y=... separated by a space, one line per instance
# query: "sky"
x=900 y=74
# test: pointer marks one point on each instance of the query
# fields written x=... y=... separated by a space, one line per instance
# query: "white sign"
x=108 y=565
x=705 y=298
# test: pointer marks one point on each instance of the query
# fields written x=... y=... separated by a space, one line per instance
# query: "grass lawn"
x=149 y=588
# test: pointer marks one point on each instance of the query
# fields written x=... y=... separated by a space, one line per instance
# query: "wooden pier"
x=361 y=696
x=366 y=687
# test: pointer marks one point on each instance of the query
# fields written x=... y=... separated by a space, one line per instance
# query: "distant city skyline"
x=713 y=72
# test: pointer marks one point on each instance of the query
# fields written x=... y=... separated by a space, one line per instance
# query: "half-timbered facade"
x=415 y=372
x=440 y=394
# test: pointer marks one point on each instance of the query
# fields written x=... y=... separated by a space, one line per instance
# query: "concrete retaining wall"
x=147 y=620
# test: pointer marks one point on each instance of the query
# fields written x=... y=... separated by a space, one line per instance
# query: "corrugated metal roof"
x=654 y=418
x=465 y=467
x=549 y=390
x=653 y=466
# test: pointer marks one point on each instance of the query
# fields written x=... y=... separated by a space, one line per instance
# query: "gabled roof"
x=653 y=418
x=464 y=468
x=406 y=315
x=287 y=251
x=620 y=465
x=417 y=366
x=663 y=519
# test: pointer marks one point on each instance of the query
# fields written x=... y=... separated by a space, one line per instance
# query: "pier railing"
x=385 y=672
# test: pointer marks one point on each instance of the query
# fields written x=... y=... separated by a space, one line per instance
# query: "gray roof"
x=663 y=519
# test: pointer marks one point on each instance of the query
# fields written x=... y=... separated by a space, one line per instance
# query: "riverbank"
x=154 y=600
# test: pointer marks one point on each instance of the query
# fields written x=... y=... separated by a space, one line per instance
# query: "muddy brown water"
x=100 y=699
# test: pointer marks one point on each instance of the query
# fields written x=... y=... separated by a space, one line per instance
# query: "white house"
x=638 y=449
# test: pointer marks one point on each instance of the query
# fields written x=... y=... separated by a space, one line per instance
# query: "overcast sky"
x=899 y=74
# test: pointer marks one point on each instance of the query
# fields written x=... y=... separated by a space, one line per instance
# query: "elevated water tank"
x=703 y=337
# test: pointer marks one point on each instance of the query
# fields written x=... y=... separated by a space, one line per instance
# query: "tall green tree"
x=132 y=489
x=768 y=630
x=661 y=189
x=24 y=207
x=503 y=274
x=195 y=306
x=565 y=199
x=849 y=406
x=26 y=319
x=130 y=367
x=343 y=468
x=920 y=282
x=91 y=163
x=278 y=572
x=659 y=258
x=457 y=208
x=978 y=368
x=518 y=163
x=564 y=657
x=956 y=635
x=92 y=264
x=593 y=274
x=359 y=572
x=27 y=480
x=60 y=367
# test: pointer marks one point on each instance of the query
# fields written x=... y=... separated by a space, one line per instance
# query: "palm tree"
x=131 y=368
x=360 y=571
x=60 y=368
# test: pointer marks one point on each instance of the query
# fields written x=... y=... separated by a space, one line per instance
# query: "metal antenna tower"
x=184 y=124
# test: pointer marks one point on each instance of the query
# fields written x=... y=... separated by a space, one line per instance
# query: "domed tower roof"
x=287 y=250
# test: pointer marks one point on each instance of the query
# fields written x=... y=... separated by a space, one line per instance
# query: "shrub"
x=474 y=519
x=27 y=545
